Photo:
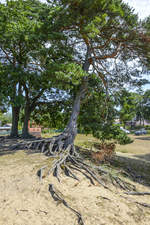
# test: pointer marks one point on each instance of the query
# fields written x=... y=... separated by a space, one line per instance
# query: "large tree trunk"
x=15 y=120
x=17 y=92
x=25 y=130
x=71 y=129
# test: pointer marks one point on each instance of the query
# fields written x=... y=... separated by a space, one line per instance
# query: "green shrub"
x=123 y=139
x=112 y=133
x=147 y=127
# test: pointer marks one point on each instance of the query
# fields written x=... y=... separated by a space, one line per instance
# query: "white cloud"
x=142 y=7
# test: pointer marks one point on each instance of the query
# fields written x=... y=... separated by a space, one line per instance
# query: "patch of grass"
x=141 y=145
x=124 y=150
x=49 y=135
x=87 y=141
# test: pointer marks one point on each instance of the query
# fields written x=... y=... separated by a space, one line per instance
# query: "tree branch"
x=112 y=55
x=7 y=56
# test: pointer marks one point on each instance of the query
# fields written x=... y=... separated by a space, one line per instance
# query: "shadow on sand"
x=138 y=168
x=11 y=145
x=144 y=138
x=146 y=157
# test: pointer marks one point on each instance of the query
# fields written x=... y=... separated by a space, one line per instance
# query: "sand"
x=25 y=200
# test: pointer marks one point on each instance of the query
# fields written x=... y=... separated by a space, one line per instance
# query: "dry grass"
x=86 y=141
x=141 y=145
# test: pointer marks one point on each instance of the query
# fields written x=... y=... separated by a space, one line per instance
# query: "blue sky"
x=142 y=8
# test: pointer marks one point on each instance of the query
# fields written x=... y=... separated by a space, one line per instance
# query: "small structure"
x=34 y=130
x=5 y=129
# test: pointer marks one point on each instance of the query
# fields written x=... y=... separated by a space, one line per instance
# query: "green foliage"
x=112 y=132
x=5 y=118
x=70 y=73
x=98 y=114
x=143 y=105
x=19 y=27
x=146 y=105
x=127 y=104
x=123 y=139
x=52 y=115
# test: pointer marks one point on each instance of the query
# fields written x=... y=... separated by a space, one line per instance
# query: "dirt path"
x=24 y=200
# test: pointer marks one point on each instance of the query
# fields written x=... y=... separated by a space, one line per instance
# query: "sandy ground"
x=24 y=200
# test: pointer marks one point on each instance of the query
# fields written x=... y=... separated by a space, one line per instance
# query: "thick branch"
x=36 y=98
x=112 y=55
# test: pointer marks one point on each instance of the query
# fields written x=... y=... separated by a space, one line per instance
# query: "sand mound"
x=24 y=200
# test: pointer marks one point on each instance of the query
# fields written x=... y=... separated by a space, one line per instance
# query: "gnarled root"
x=67 y=159
x=59 y=199
x=53 y=146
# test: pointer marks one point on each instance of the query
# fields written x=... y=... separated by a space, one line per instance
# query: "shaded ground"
x=25 y=200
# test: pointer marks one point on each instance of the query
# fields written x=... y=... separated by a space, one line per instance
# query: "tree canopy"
x=63 y=44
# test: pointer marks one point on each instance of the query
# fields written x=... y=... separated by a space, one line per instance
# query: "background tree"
x=146 y=103
x=127 y=104
x=5 y=118
x=33 y=59
x=19 y=39
x=143 y=106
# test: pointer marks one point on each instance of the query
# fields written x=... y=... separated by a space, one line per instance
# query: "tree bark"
x=71 y=128
x=25 y=130
x=15 y=120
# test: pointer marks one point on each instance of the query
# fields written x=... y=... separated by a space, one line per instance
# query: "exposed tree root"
x=137 y=193
x=67 y=160
x=143 y=204
x=56 y=196
x=139 y=203
x=54 y=146
x=116 y=181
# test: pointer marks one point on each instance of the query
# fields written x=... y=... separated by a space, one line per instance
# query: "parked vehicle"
x=140 y=132
x=126 y=131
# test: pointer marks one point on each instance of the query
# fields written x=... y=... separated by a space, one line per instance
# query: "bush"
x=113 y=133
x=123 y=139
x=46 y=131
x=148 y=131
x=147 y=127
